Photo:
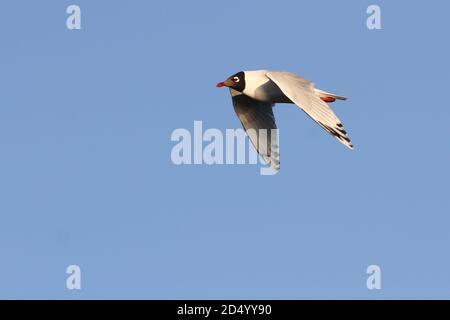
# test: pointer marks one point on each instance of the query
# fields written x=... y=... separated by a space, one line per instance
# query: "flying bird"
x=254 y=93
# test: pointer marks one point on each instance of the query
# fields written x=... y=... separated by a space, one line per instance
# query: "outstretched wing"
x=258 y=121
x=301 y=92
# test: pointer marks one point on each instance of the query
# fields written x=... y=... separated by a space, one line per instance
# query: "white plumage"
x=255 y=92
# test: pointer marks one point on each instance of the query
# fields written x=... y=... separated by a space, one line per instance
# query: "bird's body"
x=255 y=92
x=261 y=88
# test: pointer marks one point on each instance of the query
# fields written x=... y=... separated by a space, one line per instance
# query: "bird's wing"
x=254 y=116
x=301 y=92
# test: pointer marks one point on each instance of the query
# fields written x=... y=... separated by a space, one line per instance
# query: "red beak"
x=220 y=84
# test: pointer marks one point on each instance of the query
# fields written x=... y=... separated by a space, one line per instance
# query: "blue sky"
x=86 y=176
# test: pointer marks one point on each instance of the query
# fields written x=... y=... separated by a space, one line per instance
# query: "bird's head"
x=236 y=82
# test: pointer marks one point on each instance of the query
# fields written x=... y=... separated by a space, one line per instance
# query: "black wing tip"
x=339 y=133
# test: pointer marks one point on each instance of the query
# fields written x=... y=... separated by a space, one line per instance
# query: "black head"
x=236 y=81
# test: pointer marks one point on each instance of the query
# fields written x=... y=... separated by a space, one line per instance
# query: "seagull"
x=254 y=93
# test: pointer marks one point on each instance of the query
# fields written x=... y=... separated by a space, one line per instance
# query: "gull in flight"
x=254 y=93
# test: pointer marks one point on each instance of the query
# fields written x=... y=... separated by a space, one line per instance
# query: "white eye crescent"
x=236 y=79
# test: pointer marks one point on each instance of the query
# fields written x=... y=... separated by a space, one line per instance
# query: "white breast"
x=258 y=86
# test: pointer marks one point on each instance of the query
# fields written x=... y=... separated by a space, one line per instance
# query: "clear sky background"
x=86 y=176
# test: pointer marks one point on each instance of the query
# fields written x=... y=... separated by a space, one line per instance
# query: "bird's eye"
x=236 y=79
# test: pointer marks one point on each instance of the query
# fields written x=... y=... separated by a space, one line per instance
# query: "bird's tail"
x=328 y=96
